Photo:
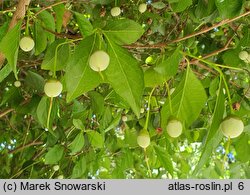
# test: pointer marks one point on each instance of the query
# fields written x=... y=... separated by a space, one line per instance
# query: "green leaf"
x=52 y=139
x=49 y=23
x=123 y=31
x=78 y=124
x=231 y=57
x=214 y=86
x=107 y=118
x=40 y=38
x=95 y=139
x=11 y=96
x=164 y=158
x=125 y=76
x=9 y=46
x=169 y=66
x=114 y=123
x=63 y=54
x=97 y=102
x=77 y=143
x=127 y=159
x=79 y=76
x=42 y=111
x=30 y=107
x=3 y=29
x=4 y=72
x=158 y=5
x=117 y=100
x=85 y=26
x=245 y=40
x=59 y=11
x=79 y=168
x=204 y=8
x=131 y=137
x=153 y=78
x=78 y=109
x=187 y=100
x=180 y=5
x=35 y=81
x=229 y=8
x=214 y=134
x=102 y=2
x=243 y=148
x=54 y=155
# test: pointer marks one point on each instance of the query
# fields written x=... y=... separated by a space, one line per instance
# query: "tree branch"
x=216 y=52
x=49 y=7
x=18 y=15
x=2 y=114
x=160 y=45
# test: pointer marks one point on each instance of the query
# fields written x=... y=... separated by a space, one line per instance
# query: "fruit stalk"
x=148 y=110
x=147 y=163
x=228 y=94
x=217 y=68
x=143 y=138
x=56 y=53
x=27 y=23
x=169 y=98
x=49 y=112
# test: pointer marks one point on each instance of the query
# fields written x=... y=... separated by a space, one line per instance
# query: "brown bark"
x=18 y=15
x=2 y=59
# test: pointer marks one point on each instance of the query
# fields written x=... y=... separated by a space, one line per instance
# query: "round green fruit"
x=26 y=43
x=99 y=60
x=232 y=126
x=143 y=139
x=142 y=7
x=149 y=60
x=243 y=55
x=115 y=11
x=124 y=118
x=60 y=177
x=17 y=84
x=53 y=88
x=174 y=128
x=56 y=168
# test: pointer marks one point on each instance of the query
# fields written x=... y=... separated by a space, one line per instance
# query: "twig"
x=49 y=7
x=26 y=135
x=198 y=74
x=197 y=63
x=216 y=52
x=226 y=47
x=60 y=35
x=6 y=11
x=160 y=45
x=21 y=170
x=25 y=146
x=38 y=154
x=6 y=112
x=147 y=163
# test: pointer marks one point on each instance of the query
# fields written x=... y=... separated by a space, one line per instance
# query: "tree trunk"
x=19 y=14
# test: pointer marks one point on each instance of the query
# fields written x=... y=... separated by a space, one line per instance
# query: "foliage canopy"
x=177 y=59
